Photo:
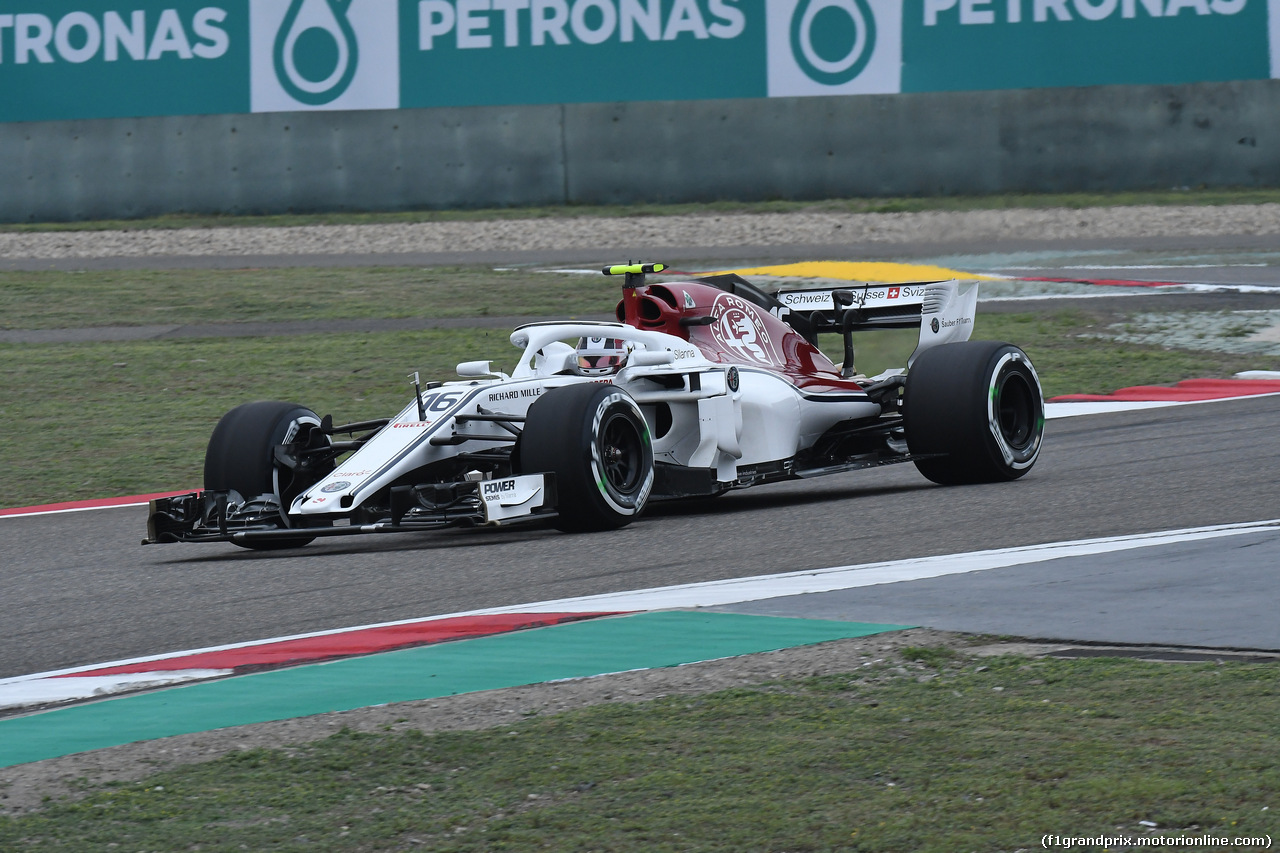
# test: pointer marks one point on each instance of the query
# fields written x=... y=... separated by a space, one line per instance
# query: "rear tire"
x=979 y=403
x=241 y=456
x=595 y=440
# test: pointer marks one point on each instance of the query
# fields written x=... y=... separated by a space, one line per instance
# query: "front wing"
x=226 y=516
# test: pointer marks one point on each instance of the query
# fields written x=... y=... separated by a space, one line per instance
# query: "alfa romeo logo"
x=315 y=52
x=832 y=40
x=738 y=331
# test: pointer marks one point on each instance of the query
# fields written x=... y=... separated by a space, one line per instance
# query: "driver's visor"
x=600 y=362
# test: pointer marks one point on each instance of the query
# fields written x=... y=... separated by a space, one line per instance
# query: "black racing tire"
x=596 y=442
x=240 y=456
x=980 y=405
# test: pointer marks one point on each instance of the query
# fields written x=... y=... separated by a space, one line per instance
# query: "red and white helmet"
x=601 y=356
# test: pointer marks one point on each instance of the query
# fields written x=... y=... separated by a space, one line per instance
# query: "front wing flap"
x=225 y=516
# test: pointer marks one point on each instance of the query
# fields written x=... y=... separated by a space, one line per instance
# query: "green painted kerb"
x=642 y=641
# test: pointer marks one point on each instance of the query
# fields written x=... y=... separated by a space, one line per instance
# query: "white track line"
x=45 y=691
x=30 y=513
x=39 y=688
x=1053 y=411
x=738 y=590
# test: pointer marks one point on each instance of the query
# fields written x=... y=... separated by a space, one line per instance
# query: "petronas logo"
x=315 y=52
x=832 y=40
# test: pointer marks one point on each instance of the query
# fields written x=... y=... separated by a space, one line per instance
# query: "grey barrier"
x=1030 y=140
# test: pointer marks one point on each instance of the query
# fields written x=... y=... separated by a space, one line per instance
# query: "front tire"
x=241 y=457
x=980 y=406
x=595 y=440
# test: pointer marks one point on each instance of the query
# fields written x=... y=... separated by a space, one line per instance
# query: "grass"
x=943 y=753
x=1194 y=196
x=143 y=410
x=1071 y=359
x=57 y=300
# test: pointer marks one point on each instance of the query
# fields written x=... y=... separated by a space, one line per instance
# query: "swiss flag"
x=893 y=292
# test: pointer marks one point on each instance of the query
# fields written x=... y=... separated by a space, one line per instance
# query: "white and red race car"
x=702 y=386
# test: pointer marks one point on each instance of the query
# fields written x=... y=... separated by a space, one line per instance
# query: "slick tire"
x=979 y=407
x=240 y=456
x=596 y=442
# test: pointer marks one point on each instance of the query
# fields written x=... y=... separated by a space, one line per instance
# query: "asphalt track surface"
x=79 y=589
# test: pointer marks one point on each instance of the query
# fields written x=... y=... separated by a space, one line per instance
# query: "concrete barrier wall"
x=1037 y=140
x=277 y=162
x=1034 y=140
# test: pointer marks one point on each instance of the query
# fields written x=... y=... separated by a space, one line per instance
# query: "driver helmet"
x=601 y=356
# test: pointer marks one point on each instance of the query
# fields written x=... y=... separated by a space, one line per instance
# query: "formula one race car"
x=702 y=386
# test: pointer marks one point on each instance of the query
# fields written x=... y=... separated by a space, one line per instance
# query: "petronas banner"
x=1027 y=44
x=67 y=59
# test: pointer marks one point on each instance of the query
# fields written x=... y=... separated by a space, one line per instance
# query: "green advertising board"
x=956 y=45
x=67 y=59
x=494 y=52
x=64 y=59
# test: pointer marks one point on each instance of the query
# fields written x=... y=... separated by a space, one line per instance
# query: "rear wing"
x=943 y=310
